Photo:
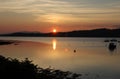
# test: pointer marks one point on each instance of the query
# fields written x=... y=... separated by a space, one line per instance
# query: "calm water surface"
x=89 y=56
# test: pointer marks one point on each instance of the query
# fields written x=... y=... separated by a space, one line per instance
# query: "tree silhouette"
x=15 y=69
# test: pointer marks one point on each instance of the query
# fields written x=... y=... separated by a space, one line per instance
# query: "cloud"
x=61 y=6
x=16 y=19
x=79 y=11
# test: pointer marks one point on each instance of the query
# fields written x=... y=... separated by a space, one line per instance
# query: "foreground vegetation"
x=15 y=69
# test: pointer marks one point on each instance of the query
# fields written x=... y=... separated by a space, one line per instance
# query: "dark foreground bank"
x=16 y=69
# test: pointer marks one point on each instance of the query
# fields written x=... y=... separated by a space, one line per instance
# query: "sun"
x=54 y=30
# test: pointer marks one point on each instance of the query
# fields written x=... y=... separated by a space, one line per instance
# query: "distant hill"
x=78 y=33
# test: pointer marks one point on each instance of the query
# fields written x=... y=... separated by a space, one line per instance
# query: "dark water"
x=89 y=56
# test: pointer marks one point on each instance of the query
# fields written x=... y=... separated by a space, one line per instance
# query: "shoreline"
x=8 y=42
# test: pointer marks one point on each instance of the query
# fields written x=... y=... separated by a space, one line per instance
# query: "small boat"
x=113 y=40
x=112 y=47
x=106 y=40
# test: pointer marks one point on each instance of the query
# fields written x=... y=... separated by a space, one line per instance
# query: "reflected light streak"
x=54 y=42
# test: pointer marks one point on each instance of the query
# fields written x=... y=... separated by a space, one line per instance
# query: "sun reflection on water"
x=54 y=42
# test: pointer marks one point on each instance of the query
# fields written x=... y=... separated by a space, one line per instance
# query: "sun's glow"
x=52 y=18
x=54 y=30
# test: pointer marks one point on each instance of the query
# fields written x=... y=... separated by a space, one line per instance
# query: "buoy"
x=74 y=51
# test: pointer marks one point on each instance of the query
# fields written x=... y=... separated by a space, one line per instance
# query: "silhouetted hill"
x=79 y=33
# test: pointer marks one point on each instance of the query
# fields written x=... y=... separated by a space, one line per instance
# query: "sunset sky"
x=64 y=15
